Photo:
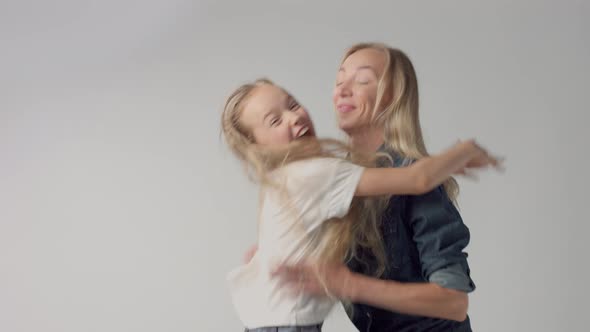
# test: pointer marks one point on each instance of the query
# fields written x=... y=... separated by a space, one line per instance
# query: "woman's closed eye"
x=364 y=77
x=363 y=80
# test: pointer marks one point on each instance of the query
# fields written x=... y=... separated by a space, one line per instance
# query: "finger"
x=289 y=279
x=312 y=288
x=294 y=290
x=285 y=270
x=279 y=269
x=499 y=166
x=294 y=274
x=493 y=160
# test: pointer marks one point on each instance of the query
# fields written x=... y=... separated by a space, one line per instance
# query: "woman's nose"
x=343 y=89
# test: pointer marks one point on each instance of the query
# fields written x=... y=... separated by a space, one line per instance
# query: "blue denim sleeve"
x=440 y=236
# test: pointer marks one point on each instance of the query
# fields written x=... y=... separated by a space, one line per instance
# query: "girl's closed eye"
x=275 y=121
x=293 y=105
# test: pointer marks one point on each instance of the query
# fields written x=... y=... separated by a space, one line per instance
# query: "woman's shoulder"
x=392 y=158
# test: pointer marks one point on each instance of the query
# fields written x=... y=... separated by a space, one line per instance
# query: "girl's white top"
x=307 y=193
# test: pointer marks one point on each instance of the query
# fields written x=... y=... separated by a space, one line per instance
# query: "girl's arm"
x=425 y=174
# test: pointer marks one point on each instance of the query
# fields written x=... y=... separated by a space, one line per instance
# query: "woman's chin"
x=346 y=126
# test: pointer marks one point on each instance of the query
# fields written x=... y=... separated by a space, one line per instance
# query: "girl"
x=306 y=206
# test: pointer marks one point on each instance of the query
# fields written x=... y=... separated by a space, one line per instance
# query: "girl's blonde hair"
x=341 y=240
x=400 y=118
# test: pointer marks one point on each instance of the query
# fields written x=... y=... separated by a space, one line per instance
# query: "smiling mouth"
x=345 y=108
x=304 y=132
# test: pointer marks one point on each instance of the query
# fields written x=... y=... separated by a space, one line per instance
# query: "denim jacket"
x=424 y=238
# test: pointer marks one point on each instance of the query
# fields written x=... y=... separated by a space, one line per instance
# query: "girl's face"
x=275 y=118
x=355 y=92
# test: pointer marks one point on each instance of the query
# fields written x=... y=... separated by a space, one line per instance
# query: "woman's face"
x=274 y=118
x=355 y=92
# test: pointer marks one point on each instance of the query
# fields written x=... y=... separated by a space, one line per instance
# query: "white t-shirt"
x=290 y=231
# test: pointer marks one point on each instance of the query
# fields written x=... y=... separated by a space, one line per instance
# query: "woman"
x=376 y=102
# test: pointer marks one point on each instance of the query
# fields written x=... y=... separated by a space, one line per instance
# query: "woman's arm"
x=421 y=299
x=425 y=174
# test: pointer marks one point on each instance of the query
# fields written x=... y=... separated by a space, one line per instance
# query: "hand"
x=480 y=159
x=250 y=253
x=334 y=280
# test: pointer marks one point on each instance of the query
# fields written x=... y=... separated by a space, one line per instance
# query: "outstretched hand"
x=481 y=159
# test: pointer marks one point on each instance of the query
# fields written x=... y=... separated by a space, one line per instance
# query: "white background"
x=122 y=210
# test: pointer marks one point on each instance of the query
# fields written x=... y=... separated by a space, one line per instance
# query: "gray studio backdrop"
x=122 y=210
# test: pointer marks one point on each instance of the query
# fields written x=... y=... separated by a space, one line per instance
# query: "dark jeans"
x=310 y=328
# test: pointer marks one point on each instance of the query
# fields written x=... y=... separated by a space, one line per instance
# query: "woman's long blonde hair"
x=400 y=119
x=341 y=239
